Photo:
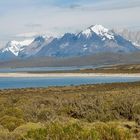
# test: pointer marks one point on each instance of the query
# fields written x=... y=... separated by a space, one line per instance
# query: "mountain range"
x=93 y=40
x=133 y=35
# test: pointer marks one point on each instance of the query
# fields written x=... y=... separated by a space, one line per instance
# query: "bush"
x=11 y=122
x=15 y=112
x=23 y=110
x=46 y=115
x=79 y=131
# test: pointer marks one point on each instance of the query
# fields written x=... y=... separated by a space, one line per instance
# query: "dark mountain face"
x=4 y=56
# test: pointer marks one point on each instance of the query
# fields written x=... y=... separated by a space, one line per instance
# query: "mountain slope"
x=134 y=36
x=35 y=46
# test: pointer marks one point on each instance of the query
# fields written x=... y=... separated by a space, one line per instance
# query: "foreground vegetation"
x=88 y=112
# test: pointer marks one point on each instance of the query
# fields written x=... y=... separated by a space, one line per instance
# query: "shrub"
x=15 y=112
x=46 y=115
x=11 y=122
x=79 y=131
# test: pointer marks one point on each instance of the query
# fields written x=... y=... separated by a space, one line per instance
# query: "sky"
x=20 y=19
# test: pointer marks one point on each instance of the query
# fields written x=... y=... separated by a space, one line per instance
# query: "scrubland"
x=86 y=112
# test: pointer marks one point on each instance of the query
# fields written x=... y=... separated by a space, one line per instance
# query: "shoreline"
x=57 y=75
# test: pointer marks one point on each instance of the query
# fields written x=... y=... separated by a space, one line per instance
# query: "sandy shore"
x=49 y=75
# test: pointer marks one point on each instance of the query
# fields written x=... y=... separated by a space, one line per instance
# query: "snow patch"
x=137 y=45
x=85 y=47
x=87 y=32
x=64 y=45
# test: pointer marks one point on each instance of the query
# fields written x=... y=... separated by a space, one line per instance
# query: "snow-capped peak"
x=16 y=46
x=99 y=30
x=20 y=43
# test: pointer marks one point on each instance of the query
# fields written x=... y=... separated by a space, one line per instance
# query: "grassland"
x=86 y=112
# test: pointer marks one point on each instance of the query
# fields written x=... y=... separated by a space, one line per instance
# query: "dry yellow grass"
x=100 y=112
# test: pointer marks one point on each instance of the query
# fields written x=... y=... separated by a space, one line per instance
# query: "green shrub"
x=15 y=112
x=136 y=108
x=10 y=122
x=46 y=115
x=112 y=131
x=79 y=131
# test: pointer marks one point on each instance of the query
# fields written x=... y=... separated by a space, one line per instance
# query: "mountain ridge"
x=92 y=40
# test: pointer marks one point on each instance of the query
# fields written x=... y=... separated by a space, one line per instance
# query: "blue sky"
x=25 y=18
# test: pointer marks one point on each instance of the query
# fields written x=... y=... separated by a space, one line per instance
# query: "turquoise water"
x=6 y=83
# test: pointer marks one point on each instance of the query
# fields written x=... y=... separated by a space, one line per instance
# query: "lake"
x=6 y=83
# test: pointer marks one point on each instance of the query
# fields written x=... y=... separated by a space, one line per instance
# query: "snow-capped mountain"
x=16 y=46
x=23 y=49
x=95 y=39
x=12 y=49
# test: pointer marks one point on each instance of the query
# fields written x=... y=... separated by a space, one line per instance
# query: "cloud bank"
x=59 y=16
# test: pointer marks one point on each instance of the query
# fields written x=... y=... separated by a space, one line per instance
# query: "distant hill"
x=92 y=60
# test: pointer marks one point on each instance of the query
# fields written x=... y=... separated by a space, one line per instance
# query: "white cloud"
x=49 y=17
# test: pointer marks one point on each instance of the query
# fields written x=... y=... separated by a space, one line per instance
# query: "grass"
x=86 y=112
